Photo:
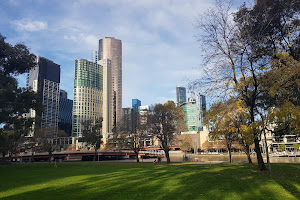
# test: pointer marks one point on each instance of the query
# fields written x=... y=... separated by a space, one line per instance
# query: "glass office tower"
x=135 y=105
x=88 y=93
x=44 y=79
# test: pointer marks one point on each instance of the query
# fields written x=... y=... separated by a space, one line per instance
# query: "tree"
x=226 y=121
x=165 y=120
x=44 y=139
x=15 y=60
x=131 y=133
x=238 y=52
x=186 y=144
x=296 y=147
x=3 y=144
x=14 y=101
x=91 y=133
x=282 y=147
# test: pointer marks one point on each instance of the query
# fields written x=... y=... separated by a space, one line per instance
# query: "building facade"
x=107 y=107
x=180 y=95
x=201 y=109
x=194 y=112
x=111 y=48
x=95 y=56
x=190 y=113
x=44 y=79
x=65 y=113
x=135 y=105
x=88 y=94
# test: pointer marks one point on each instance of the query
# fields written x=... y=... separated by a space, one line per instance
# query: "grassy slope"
x=105 y=180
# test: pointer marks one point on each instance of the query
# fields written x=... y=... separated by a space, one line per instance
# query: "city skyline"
x=159 y=48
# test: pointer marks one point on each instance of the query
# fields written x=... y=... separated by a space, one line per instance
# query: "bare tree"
x=92 y=134
x=44 y=139
x=232 y=64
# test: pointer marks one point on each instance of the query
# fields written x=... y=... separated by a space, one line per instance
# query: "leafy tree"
x=237 y=53
x=296 y=147
x=14 y=60
x=228 y=121
x=273 y=26
x=186 y=144
x=282 y=147
x=3 y=144
x=165 y=121
x=91 y=134
x=15 y=101
x=285 y=119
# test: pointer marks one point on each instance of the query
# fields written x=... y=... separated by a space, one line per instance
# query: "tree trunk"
x=95 y=156
x=50 y=156
x=260 y=161
x=167 y=155
x=247 y=151
x=10 y=156
x=229 y=151
x=137 y=156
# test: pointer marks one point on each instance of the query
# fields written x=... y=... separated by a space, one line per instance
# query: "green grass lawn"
x=112 y=180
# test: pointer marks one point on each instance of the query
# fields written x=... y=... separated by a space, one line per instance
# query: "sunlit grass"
x=108 y=180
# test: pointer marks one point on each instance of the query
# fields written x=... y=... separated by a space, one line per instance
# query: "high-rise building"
x=65 y=113
x=135 y=105
x=180 y=94
x=201 y=108
x=95 y=56
x=127 y=120
x=111 y=48
x=44 y=79
x=143 y=112
x=107 y=108
x=88 y=94
x=194 y=112
x=190 y=112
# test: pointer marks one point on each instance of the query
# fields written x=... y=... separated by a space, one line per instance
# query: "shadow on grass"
x=148 y=181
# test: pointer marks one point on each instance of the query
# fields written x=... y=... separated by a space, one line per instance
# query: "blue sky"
x=159 y=48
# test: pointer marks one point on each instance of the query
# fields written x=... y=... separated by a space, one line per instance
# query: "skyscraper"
x=95 y=56
x=201 y=108
x=111 y=48
x=108 y=109
x=194 y=112
x=180 y=94
x=135 y=105
x=190 y=112
x=44 y=79
x=65 y=113
x=88 y=94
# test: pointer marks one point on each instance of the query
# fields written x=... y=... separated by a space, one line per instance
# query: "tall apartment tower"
x=95 y=56
x=180 y=94
x=44 y=79
x=88 y=94
x=201 y=108
x=107 y=108
x=111 y=48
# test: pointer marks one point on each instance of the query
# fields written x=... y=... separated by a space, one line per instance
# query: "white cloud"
x=159 y=51
x=29 y=25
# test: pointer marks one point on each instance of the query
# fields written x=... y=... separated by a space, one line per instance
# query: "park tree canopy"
x=241 y=54
x=14 y=101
